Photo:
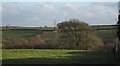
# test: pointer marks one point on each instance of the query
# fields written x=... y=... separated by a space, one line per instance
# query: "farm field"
x=28 y=28
x=106 y=34
x=33 y=31
x=45 y=56
x=22 y=32
x=8 y=34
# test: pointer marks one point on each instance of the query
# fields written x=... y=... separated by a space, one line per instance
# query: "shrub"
x=34 y=42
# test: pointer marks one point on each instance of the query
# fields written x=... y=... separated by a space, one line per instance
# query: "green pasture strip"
x=103 y=27
x=49 y=56
x=29 y=53
x=8 y=34
x=106 y=34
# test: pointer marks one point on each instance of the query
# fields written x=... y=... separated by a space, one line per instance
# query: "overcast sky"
x=45 y=13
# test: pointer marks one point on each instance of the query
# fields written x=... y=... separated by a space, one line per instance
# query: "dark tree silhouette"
x=118 y=23
x=117 y=53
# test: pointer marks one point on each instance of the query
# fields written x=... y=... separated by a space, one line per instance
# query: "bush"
x=34 y=42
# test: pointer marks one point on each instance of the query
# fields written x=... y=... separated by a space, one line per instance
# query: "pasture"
x=106 y=34
x=45 y=56
x=23 y=32
x=8 y=34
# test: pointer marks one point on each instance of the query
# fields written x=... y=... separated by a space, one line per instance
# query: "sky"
x=47 y=13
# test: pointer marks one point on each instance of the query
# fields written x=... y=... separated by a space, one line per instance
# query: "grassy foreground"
x=36 y=56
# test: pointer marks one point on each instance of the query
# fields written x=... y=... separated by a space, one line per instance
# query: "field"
x=35 y=56
x=106 y=34
x=8 y=34
x=45 y=56
x=23 y=32
x=28 y=28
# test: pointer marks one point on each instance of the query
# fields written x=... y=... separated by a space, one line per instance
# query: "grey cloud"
x=43 y=14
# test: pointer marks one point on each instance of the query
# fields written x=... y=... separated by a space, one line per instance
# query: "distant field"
x=27 y=28
x=33 y=31
x=35 y=56
x=106 y=34
x=104 y=27
x=8 y=34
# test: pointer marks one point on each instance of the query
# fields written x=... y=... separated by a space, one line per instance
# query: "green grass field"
x=35 y=56
x=106 y=34
x=8 y=34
